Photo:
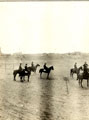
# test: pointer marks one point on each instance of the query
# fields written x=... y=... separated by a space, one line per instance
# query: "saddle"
x=44 y=70
x=26 y=71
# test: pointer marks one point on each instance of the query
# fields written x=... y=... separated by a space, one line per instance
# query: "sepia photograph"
x=44 y=60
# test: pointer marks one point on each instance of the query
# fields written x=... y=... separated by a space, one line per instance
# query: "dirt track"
x=59 y=98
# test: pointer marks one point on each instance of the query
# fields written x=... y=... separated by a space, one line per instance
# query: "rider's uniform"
x=85 y=70
x=45 y=67
x=26 y=69
x=75 y=66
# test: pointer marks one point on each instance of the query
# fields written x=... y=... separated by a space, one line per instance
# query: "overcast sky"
x=38 y=27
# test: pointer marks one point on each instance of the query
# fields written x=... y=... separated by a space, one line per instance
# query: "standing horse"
x=22 y=74
x=15 y=72
x=33 y=68
x=82 y=77
x=75 y=71
x=48 y=70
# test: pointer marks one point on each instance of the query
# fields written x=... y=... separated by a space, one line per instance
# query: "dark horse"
x=75 y=71
x=48 y=70
x=33 y=68
x=82 y=77
x=22 y=74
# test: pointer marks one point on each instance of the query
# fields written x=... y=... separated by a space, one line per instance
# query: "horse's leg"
x=48 y=76
x=21 y=79
x=28 y=77
x=77 y=76
x=87 y=82
x=81 y=83
x=34 y=70
x=15 y=77
x=72 y=75
x=40 y=74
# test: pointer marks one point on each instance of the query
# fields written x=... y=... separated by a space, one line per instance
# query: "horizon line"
x=44 y=53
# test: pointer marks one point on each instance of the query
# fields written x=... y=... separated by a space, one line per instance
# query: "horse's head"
x=37 y=65
x=52 y=67
x=80 y=68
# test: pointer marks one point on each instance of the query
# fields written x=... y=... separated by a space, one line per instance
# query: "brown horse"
x=22 y=74
x=83 y=76
x=48 y=70
x=33 y=68
x=75 y=71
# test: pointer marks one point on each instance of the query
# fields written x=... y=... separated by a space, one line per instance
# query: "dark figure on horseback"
x=32 y=64
x=20 y=67
x=45 y=67
x=85 y=74
x=26 y=68
x=75 y=66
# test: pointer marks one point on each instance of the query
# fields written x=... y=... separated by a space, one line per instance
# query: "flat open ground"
x=60 y=98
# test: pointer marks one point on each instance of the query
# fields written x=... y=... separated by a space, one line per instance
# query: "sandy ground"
x=60 y=98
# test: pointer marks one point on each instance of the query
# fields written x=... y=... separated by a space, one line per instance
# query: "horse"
x=33 y=68
x=48 y=70
x=15 y=72
x=81 y=77
x=75 y=71
x=22 y=74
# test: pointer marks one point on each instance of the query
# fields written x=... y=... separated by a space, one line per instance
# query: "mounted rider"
x=75 y=66
x=20 y=67
x=32 y=64
x=26 y=68
x=45 y=67
x=85 y=69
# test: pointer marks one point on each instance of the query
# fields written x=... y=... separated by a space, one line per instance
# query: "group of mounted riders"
x=32 y=65
x=26 y=67
x=26 y=71
x=82 y=73
x=84 y=69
